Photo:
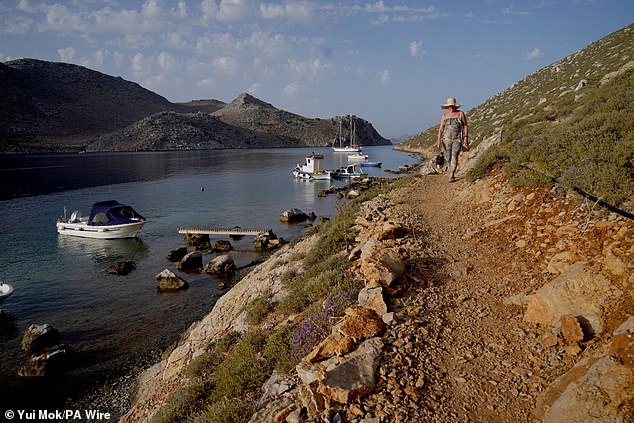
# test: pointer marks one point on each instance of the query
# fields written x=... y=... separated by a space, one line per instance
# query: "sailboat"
x=339 y=139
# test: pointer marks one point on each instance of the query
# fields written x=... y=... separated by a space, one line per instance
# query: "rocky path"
x=459 y=351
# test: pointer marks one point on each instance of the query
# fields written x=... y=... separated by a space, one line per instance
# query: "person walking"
x=453 y=135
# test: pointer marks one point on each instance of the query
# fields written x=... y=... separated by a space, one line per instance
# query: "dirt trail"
x=459 y=353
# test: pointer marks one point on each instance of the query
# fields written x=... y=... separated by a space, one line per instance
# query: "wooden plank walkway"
x=221 y=231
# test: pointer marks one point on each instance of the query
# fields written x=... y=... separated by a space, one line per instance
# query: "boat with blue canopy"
x=107 y=220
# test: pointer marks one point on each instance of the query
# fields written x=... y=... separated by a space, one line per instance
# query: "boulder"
x=168 y=281
x=598 y=388
x=354 y=375
x=121 y=269
x=265 y=241
x=372 y=298
x=222 y=246
x=53 y=361
x=293 y=215
x=177 y=254
x=200 y=241
x=37 y=338
x=220 y=265
x=191 y=261
x=571 y=329
x=391 y=231
x=335 y=344
x=381 y=266
x=361 y=323
x=580 y=292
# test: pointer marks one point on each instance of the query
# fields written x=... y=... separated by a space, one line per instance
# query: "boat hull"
x=370 y=164
x=346 y=149
x=323 y=176
x=81 y=229
x=5 y=291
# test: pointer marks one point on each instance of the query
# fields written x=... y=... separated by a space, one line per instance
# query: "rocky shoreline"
x=438 y=329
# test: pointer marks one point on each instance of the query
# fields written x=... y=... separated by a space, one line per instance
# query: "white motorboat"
x=338 y=144
x=349 y=171
x=311 y=169
x=356 y=157
x=107 y=220
x=5 y=291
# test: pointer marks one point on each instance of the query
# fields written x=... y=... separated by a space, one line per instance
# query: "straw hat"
x=451 y=102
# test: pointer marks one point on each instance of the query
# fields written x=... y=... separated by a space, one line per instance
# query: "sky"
x=392 y=63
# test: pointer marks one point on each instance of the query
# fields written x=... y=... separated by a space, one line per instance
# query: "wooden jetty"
x=223 y=231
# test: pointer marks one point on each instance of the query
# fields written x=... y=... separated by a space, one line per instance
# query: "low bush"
x=257 y=310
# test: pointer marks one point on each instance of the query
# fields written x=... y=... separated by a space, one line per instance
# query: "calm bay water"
x=112 y=322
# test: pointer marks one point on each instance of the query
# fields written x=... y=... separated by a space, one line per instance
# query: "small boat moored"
x=370 y=164
x=107 y=220
x=5 y=291
x=349 y=171
x=311 y=169
x=357 y=157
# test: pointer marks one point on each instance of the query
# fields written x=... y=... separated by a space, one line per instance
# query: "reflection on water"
x=111 y=321
x=103 y=250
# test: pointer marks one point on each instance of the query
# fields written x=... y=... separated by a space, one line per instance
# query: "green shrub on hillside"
x=589 y=146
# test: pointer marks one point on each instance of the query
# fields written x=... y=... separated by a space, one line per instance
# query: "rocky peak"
x=246 y=99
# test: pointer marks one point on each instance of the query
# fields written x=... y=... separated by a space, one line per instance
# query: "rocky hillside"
x=51 y=106
x=247 y=111
x=571 y=120
x=246 y=122
x=169 y=131
x=58 y=99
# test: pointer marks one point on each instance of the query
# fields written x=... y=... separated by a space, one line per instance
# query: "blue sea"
x=113 y=323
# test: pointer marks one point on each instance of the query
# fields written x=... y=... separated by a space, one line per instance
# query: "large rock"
x=381 y=266
x=354 y=375
x=293 y=215
x=122 y=268
x=579 y=292
x=37 y=338
x=598 y=388
x=372 y=298
x=221 y=265
x=168 y=281
x=335 y=344
x=52 y=361
x=177 y=254
x=361 y=323
x=199 y=241
x=222 y=246
x=191 y=262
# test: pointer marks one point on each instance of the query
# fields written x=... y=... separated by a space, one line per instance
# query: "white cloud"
x=226 y=10
x=415 y=48
x=119 y=59
x=225 y=65
x=380 y=7
x=534 y=54
x=293 y=10
x=206 y=83
x=293 y=89
x=209 y=9
x=141 y=65
x=176 y=40
x=16 y=25
x=312 y=69
x=66 y=54
x=167 y=63
x=25 y=6
x=95 y=60
x=254 y=88
x=181 y=10
x=385 y=77
x=512 y=10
